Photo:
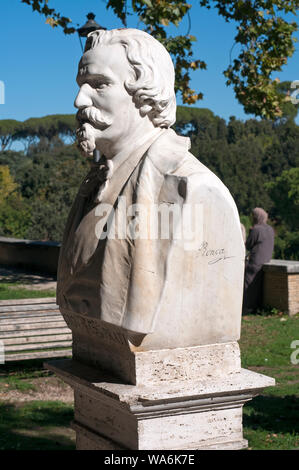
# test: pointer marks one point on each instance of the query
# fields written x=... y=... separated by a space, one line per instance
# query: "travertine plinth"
x=177 y=414
x=109 y=347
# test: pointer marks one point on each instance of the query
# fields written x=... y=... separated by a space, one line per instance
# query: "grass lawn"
x=38 y=424
x=16 y=291
x=270 y=420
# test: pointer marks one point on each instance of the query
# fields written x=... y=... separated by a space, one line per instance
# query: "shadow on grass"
x=19 y=275
x=27 y=368
x=22 y=366
x=16 y=371
x=273 y=414
x=36 y=426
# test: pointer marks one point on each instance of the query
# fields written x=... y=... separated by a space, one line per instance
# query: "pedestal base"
x=190 y=415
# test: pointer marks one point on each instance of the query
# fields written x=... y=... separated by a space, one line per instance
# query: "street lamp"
x=88 y=27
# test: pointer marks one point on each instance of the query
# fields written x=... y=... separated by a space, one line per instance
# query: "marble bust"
x=150 y=275
x=135 y=284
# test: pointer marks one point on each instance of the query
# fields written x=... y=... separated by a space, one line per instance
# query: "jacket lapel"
x=86 y=237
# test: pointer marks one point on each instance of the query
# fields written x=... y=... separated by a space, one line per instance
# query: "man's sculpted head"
x=126 y=80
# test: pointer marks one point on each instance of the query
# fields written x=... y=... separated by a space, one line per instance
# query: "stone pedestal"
x=197 y=407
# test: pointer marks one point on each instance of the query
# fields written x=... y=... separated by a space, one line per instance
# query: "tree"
x=14 y=213
x=284 y=191
x=8 y=131
x=266 y=40
x=47 y=131
x=244 y=155
x=7 y=184
x=15 y=217
x=49 y=183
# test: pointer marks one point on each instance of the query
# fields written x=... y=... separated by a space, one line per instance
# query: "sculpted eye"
x=99 y=84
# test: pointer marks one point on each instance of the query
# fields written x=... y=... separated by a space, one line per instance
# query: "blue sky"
x=38 y=63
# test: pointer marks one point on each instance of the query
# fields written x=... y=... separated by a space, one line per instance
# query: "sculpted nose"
x=83 y=99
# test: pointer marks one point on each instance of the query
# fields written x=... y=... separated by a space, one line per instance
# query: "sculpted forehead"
x=108 y=60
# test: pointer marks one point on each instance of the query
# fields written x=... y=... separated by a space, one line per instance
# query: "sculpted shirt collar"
x=122 y=156
x=106 y=170
x=166 y=150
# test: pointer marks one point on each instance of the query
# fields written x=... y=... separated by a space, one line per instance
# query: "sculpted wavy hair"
x=152 y=89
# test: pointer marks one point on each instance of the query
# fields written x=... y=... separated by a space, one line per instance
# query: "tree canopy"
x=265 y=36
x=8 y=131
x=284 y=191
x=48 y=128
x=14 y=212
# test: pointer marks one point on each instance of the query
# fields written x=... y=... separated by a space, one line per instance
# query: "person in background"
x=260 y=244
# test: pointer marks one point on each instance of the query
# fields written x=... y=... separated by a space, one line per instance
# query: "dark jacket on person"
x=260 y=244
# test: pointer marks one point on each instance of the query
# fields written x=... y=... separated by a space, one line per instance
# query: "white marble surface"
x=179 y=286
x=156 y=302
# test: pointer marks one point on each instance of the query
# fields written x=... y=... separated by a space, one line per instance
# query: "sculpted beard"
x=91 y=120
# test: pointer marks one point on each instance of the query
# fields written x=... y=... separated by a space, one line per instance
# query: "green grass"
x=271 y=422
x=36 y=425
x=17 y=375
x=33 y=425
x=271 y=419
x=12 y=291
x=266 y=341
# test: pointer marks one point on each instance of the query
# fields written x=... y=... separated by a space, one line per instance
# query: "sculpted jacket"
x=153 y=283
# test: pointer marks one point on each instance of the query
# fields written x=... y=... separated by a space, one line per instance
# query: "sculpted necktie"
x=107 y=169
x=97 y=180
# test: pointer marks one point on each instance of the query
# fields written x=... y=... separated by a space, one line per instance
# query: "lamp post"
x=88 y=27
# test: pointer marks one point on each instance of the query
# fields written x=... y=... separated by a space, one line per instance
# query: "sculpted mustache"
x=93 y=116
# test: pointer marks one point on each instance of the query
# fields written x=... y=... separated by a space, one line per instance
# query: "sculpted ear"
x=145 y=109
x=145 y=104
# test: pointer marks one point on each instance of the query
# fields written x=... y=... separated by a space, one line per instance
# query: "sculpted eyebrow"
x=87 y=78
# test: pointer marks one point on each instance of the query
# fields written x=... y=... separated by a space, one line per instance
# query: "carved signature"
x=218 y=253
